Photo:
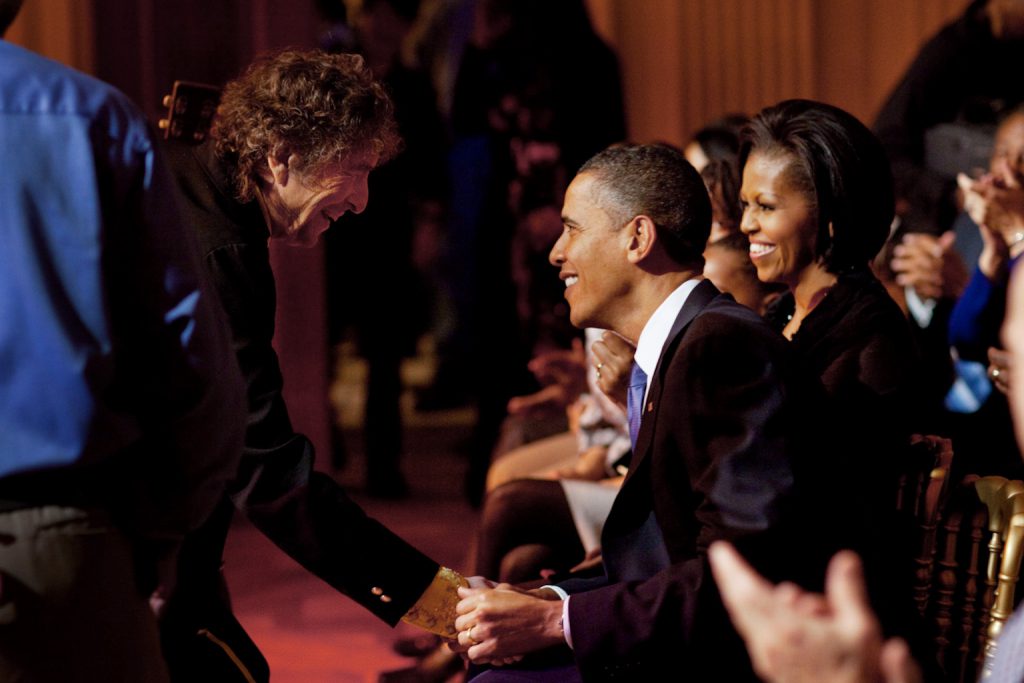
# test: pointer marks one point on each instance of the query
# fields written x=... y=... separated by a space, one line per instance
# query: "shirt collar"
x=659 y=325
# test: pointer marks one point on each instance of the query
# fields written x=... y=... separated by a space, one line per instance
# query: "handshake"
x=488 y=623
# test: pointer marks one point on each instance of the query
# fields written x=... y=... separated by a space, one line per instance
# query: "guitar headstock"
x=190 y=110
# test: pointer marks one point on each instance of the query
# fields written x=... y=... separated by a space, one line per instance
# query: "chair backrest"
x=971 y=593
x=1006 y=523
x=922 y=493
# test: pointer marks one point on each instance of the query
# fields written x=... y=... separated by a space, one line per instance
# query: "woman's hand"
x=613 y=358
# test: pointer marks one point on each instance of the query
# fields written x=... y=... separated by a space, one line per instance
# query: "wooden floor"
x=308 y=632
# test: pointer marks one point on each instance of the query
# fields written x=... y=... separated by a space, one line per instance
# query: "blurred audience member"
x=405 y=205
x=546 y=501
x=338 y=36
x=717 y=141
x=727 y=264
x=939 y=118
x=995 y=203
x=794 y=636
x=529 y=67
x=123 y=409
x=930 y=279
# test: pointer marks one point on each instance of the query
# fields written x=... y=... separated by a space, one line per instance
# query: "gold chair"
x=1005 y=504
x=922 y=493
x=971 y=594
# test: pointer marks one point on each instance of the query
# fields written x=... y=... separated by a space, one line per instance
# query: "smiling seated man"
x=721 y=448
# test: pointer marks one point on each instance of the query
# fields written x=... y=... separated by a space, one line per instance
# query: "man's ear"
x=642 y=238
x=279 y=166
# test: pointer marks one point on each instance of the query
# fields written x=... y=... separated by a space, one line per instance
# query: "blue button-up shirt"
x=109 y=345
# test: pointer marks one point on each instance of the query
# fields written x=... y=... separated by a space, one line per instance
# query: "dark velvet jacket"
x=304 y=512
x=859 y=344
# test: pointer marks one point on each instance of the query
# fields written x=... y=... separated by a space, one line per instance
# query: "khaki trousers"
x=70 y=610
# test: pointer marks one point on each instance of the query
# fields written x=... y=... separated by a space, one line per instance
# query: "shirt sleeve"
x=172 y=343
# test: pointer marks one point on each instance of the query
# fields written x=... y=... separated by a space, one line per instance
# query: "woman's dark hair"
x=840 y=166
x=720 y=139
x=722 y=180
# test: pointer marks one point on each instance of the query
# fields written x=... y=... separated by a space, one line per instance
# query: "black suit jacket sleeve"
x=303 y=511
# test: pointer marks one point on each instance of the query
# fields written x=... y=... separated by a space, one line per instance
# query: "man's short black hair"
x=658 y=182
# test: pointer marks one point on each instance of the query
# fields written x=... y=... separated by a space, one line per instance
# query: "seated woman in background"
x=546 y=502
x=718 y=139
x=930 y=280
x=727 y=264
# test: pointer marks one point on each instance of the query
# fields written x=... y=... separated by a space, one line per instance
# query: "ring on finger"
x=469 y=636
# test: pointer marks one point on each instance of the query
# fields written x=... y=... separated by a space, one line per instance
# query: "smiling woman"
x=817 y=198
x=781 y=222
x=817 y=204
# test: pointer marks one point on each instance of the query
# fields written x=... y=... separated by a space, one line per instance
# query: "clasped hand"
x=498 y=625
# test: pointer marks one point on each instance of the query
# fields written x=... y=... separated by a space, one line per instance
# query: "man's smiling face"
x=591 y=255
x=303 y=205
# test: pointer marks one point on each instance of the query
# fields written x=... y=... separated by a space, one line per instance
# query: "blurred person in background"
x=405 y=203
x=121 y=407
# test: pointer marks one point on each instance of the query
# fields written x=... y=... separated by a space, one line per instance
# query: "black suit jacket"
x=718 y=456
x=304 y=512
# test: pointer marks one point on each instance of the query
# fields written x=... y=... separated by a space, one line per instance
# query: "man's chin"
x=580 y=320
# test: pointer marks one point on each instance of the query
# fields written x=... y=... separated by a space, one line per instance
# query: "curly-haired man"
x=291 y=147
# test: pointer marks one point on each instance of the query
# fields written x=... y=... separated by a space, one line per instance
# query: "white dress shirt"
x=648 y=353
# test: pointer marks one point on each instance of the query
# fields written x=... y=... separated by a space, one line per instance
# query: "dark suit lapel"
x=702 y=294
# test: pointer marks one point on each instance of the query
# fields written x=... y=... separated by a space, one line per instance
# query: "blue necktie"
x=635 y=401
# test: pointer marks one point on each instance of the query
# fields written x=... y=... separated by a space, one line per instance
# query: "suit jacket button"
x=650 y=407
x=385 y=598
x=377 y=590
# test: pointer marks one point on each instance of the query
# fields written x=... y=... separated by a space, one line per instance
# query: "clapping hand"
x=563 y=374
x=798 y=637
x=929 y=265
x=996 y=203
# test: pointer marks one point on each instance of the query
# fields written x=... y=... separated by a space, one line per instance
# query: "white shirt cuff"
x=920 y=309
x=565 y=611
